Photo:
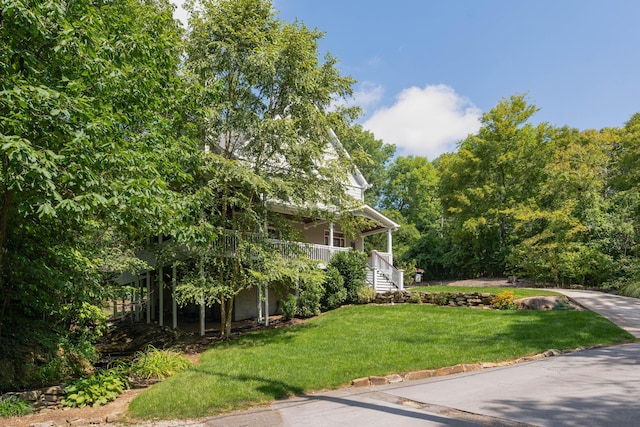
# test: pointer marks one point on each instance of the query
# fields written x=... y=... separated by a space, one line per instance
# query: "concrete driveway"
x=598 y=387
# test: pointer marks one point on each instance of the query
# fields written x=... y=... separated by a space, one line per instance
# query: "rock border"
x=457 y=369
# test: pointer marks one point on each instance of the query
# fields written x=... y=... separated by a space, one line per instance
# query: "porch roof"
x=380 y=224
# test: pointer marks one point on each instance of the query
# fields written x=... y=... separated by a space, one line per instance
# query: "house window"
x=338 y=239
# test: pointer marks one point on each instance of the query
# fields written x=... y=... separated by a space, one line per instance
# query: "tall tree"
x=85 y=100
x=492 y=172
x=266 y=124
x=564 y=226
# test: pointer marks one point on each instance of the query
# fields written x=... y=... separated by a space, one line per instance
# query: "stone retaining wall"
x=453 y=299
x=42 y=399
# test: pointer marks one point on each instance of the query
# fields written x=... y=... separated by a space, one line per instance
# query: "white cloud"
x=367 y=95
x=425 y=122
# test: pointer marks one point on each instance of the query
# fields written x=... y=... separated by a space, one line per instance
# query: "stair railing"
x=380 y=263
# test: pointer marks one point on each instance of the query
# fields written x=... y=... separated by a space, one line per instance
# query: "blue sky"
x=427 y=69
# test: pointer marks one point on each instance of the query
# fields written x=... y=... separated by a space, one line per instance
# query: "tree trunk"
x=4 y=229
x=226 y=316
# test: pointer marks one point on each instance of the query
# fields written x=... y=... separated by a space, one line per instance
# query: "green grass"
x=518 y=292
x=356 y=341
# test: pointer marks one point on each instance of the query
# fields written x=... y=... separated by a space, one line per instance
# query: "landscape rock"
x=374 y=380
x=361 y=382
x=394 y=378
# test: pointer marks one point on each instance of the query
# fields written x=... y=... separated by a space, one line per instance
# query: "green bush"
x=309 y=300
x=366 y=295
x=415 y=299
x=441 y=298
x=352 y=266
x=289 y=307
x=97 y=390
x=13 y=406
x=306 y=304
x=334 y=291
x=157 y=364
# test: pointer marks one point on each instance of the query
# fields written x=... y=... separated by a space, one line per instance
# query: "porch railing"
x=310 y=250
x=287 y=248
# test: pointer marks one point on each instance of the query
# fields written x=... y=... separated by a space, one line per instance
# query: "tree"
x=265 y=119
x=492 y=172
x=411 y=189
x=565 y=228
x=86 y=100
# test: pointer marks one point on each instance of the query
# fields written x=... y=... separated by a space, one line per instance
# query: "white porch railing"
x=287 y=248
x=380 y=261
x=310 y=250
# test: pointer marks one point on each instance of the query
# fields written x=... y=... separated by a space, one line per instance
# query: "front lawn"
x=356 y=341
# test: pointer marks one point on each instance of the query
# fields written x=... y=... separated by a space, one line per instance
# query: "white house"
x=320 y=239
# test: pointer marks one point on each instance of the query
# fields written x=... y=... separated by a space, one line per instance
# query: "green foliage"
x=334 y=291
x=290 y=307
x=366 y=295
x=415 y=299
x=97 y=390
x=309 y=289
x=352 y=266
x=92 y=120
x=309 y=300
x=411 y=190
x=504 y=301
x=13 y=406
x=262 y=102
x=442 y=298
x=152 y=363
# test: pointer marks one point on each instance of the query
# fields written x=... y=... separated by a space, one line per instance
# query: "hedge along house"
x=151 y=290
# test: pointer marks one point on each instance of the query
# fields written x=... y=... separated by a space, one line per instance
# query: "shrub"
x=158 y=364
x=97 y=390
x=334 y=291
x=352 y=266
x=13 y=406
x=289 y=307
x=415 y=299
x=308 y=304
x=504 y=301
x=366 y=295
x=441 y=298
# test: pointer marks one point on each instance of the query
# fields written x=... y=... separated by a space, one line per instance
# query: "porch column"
x=174 y=304
x=266 y=304
x=160 y=297
x=389 y=242
x=331 y=234
x=138 y=297
x=202 y=314
x=259 y=304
